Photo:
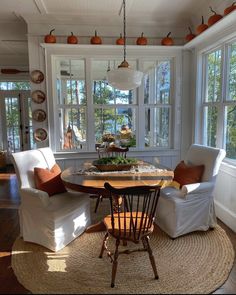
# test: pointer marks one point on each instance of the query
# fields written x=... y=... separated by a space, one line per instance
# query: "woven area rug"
x=196 y=263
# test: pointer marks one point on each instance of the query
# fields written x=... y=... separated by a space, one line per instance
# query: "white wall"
x=13 y=46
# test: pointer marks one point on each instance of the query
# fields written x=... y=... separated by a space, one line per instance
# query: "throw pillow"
x=184 y=174
x=49 y=180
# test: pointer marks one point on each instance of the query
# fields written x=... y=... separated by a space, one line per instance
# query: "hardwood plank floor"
x=9 y=230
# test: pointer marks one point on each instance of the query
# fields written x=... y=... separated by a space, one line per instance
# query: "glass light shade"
x=124 y=78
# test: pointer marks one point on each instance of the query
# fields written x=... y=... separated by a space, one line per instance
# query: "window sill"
x=62 y=155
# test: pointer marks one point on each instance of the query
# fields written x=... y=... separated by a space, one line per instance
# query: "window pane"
x=213 y=81
x=157 y=127
x=103 y=93
x=210 y=125
x=230 y=134
x=24 y=85
x=72 y=128
x=157 y=83
x=163 y=82
x=232 y=73
x=117 y=121
x=71 y=82
x=13 y=123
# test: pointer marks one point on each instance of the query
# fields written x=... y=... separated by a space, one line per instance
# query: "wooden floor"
x=9 y=230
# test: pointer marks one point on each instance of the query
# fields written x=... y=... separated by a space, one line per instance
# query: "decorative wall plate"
x=36 y=76
x=39 y=115
x=38 y=96
x=40 y=134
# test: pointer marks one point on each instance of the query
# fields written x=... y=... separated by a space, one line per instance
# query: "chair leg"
x=103 y=245
x=115 y=263
x=151 y=257
x=97 y=203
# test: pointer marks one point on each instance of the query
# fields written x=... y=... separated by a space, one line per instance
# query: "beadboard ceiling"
x=159 y=15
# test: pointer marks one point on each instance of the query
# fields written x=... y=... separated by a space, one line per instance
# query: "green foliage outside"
x=213 y=95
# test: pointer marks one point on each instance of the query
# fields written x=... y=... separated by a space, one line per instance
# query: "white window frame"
x=221 y=105
x=89 y=52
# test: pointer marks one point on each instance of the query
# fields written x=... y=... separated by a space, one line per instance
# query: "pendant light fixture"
x=124 y=78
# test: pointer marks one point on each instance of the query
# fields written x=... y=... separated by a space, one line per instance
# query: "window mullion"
x=90 y=107
x=140 y=118
x=220 y=119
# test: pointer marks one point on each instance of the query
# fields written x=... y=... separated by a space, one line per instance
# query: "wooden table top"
x=93 y=182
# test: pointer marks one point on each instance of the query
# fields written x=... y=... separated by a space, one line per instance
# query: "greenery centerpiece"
x=117 y=163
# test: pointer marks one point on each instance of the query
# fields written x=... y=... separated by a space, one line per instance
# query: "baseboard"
x=225 y=215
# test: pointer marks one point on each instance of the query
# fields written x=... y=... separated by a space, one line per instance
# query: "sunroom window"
x=219 y=100
x=89 y=110
x=114 y=110
x=157 y=103
x=71 y=104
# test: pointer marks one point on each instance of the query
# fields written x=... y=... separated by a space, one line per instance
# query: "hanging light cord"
x=124 y=63
x=124 y=29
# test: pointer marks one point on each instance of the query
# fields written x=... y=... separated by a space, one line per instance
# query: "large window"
x=157 y=101
x=89 y=110
x=114 y=110
x=71 y=104
x=219 y=99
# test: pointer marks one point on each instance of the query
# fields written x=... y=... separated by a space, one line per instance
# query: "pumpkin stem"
x=190 y=30
x=142 y=35
x=202 y=20
x=95 y=33
x=72 y=34
x=168 y=34
x=212 y=10
x=51 y=31
x=120 y=35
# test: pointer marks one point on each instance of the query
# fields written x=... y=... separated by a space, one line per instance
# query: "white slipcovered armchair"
x=192 y=207
x=54 y=221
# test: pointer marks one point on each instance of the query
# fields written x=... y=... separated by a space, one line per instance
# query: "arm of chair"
x=29 y=193
x=197 y=188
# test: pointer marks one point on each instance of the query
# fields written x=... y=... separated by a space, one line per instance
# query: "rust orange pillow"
x=49 y=180
x=184 y=174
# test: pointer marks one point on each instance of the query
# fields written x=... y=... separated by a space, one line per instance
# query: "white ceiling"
x=162 y=15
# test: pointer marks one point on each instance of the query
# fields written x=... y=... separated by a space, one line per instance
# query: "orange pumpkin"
x=120 y=41
x=214 y=18
x=230 y=8
x=50 y=38
x=202 y=27
x=96 y=39
x=141 y=40
x=167 y=41
x=190 y=36
x=72 y=39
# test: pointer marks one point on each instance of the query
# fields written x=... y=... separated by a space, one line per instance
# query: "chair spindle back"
x=134 y=216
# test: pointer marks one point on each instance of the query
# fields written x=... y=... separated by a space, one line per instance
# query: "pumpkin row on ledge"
x=211 y=21
x=72 y=39
x=167 y=41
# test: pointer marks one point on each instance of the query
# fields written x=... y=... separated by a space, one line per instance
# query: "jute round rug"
x=196 y=263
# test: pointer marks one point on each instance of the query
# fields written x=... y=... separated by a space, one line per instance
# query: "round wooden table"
x=88 y=180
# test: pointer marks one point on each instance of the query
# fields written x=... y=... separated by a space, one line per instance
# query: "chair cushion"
x=49 y=180
x=126 y=227
x=185 y=174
